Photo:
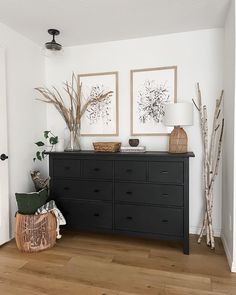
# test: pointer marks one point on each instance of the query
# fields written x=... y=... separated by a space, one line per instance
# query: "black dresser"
x=144 y=194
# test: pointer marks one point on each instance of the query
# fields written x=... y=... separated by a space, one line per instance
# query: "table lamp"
x=178 y=114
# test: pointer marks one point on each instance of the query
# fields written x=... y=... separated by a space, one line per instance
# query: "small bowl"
x=133 y=142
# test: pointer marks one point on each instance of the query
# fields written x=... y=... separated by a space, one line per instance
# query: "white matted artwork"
x=151 y=90
x=101 y=117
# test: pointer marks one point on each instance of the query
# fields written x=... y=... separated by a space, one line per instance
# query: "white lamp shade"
x=179 y=114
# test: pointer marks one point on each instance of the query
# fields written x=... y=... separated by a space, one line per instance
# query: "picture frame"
x=150 y=90
x=102 y=118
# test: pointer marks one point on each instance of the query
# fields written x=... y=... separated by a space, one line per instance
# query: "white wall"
x=26 y=116
x=199 y=57
x=228 y=206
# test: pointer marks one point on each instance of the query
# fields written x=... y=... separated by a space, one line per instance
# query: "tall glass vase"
x=73 y=141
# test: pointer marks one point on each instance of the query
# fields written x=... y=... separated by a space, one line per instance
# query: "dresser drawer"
x=149 y=193
x=146 y=219
x=83 y=189
x=166 y=172
x=130 y=170
x=66 y=168
x=97 y=169
x=86 y=215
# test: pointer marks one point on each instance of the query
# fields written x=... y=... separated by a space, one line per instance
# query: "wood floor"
x=92 y=264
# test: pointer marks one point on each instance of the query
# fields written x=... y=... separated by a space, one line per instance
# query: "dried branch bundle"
x=212 y=155
x=73 y=111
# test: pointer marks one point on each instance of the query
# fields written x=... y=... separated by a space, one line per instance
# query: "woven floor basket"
x=35 y=232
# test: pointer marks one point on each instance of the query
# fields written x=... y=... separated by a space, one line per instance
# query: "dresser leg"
x=186 y=246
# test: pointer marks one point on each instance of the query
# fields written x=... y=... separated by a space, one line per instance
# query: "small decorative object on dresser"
x=133 y=142
x=109 y=147
x=178 y=114
x=133 y=149
x=145 y=194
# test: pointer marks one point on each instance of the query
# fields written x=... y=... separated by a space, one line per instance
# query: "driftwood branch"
x=212 y=154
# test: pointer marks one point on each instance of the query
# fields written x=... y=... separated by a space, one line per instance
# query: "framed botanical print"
x=151 y=90
x=101 y=117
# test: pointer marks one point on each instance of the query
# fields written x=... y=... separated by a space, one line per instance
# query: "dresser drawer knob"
x=164 y=195
x=96 y=169
x=96 y=214
x=96 y=191
x=165 y=220
x=129 y=193
x=129 y=170
x=164 y=172
x=129 y=217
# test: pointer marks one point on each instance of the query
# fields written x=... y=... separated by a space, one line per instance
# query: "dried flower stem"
x=73 y=111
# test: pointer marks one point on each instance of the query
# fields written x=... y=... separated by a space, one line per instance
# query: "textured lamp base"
x=178 y=142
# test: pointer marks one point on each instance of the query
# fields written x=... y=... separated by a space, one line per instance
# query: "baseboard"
x=196 y=231
x=232 y=265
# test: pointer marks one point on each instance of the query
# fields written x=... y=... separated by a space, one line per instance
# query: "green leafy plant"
x=46 y=146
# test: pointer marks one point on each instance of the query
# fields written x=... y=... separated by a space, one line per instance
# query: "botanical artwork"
x=151 y=90
x=101 y=116
x=99 y=110
x=152 y=98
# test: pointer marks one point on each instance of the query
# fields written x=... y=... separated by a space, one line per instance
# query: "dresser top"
x=120 y=154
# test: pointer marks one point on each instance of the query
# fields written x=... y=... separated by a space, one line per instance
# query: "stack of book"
x=131 y=149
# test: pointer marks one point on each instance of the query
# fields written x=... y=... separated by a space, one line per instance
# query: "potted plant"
x=50 y=141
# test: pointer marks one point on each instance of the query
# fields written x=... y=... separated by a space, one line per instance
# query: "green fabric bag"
x=28 y=203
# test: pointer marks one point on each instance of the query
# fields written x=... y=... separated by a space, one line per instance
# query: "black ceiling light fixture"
x=53 y=45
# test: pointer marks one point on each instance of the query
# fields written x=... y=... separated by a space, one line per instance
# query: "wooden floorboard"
x=96 y=264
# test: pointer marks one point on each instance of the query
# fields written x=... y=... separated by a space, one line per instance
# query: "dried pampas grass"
x=73 y=111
